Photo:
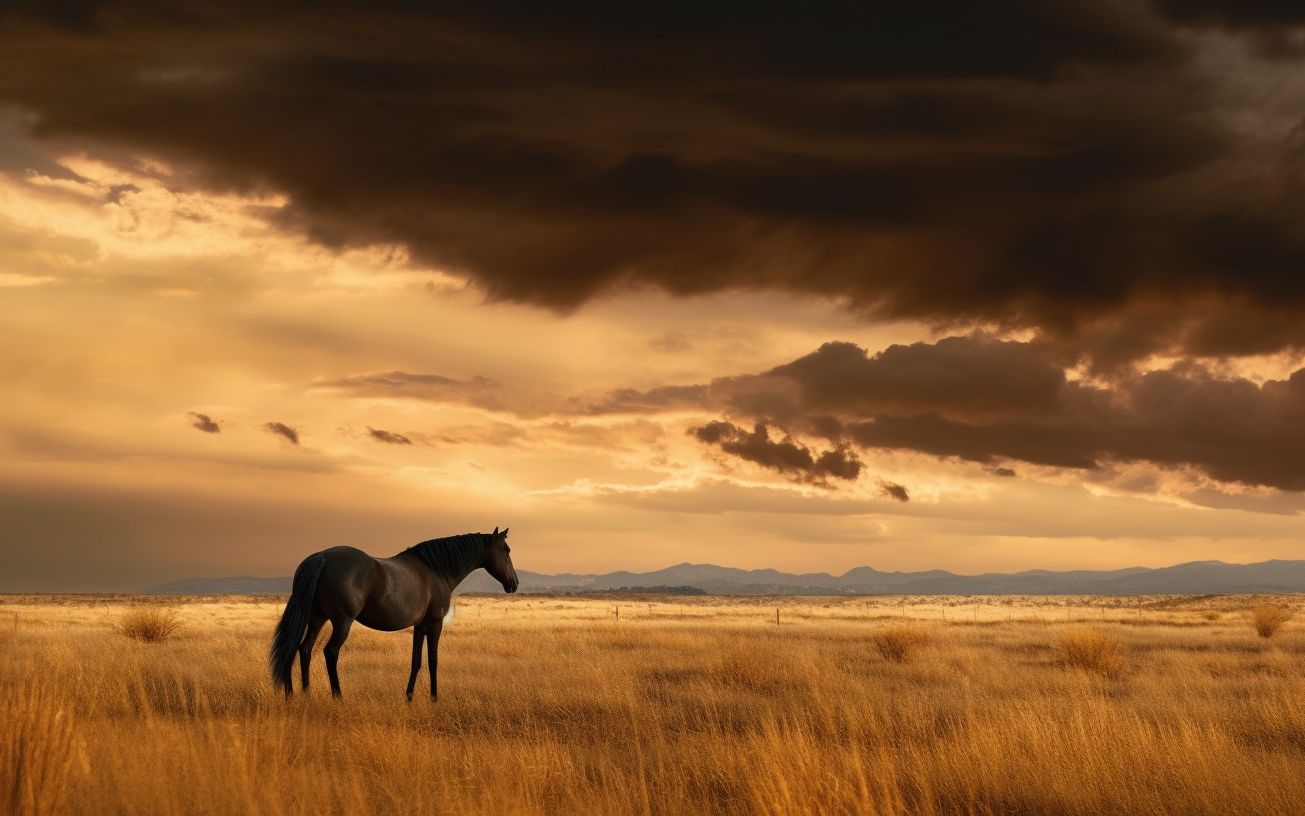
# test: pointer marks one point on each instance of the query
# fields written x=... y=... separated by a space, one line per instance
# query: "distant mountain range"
x=1192 y=578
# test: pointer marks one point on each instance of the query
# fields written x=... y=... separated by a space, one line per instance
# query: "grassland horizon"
x=642 y=704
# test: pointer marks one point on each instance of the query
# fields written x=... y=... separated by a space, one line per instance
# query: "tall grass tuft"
x=900 y=643
x=36 y=750
x=1096 y=652
x=1269 y=618
x=151 y=624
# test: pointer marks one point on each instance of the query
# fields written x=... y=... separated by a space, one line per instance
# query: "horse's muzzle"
x=511 y=586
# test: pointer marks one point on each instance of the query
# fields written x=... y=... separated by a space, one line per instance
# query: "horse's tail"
x=294 y=621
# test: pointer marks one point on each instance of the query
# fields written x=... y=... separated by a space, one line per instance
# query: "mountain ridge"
x=1188 y=578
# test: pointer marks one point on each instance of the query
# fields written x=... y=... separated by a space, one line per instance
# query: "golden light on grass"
x=151 y=624
x=1269 y=618
x=550 y=705
x=36 y=750
x=1092 y=650
x=900 y=643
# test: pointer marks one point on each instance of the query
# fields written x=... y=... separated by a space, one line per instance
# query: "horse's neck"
x=456 y=579
x=468 y=567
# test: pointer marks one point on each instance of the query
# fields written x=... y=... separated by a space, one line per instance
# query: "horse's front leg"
x=418 y=634
x=433 y=653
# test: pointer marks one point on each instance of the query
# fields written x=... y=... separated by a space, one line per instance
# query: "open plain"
x=666 y=705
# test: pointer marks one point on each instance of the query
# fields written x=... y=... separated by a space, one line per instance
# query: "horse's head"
x=498 y=561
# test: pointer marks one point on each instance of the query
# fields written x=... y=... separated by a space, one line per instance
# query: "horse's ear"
x=495 y=529
x=505 y=532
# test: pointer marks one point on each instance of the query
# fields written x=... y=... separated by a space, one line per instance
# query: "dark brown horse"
x=413 y=588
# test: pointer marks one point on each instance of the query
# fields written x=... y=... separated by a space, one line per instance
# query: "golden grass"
x=1269 y=618
x=900 y=643
x=36 y=749
x=702 y=706
x=151 y=624
x=1094 y=651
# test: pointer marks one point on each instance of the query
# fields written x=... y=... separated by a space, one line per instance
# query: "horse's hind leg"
x=306 y=647
x=418 y=634
x=339 y=633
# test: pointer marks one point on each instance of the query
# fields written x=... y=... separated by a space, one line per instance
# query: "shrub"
x=900 y=643
x=1211 y=615
x=1096 y=652
x=1269 y=618
x=151 y=624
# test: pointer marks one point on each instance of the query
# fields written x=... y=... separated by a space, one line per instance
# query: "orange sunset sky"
x=1020 y=289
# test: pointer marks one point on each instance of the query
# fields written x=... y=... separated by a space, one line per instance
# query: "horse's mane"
x=451 y=556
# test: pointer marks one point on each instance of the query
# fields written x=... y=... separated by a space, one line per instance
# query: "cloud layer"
x=984 y=400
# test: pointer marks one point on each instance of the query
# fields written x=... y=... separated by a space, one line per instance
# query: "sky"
x=983 y=288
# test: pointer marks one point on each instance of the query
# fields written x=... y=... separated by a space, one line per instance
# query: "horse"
x=413 y=588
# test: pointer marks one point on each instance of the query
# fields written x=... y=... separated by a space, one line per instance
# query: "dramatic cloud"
x=282 y=430
x=786 y=456
x=963 y=377
x=969 y=376
x=984 y=400
x=1099 y=172
x=1232 y=429
x=645 y=223
x=203 y=422
x=388 y=437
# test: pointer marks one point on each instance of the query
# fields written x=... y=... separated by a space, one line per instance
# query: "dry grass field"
x=556 y=705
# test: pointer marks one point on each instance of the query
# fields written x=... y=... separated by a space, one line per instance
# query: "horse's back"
x=345 y=556
x=348 y=577
x=381 y=593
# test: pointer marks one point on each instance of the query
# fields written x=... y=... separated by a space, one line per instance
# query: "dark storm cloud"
x=785 y=456
x=970 y=375
x=203 y=422
x=388 y=437
x=282 y=430
x=1232 y=429
x=982 y=400
x=1234 y=13
x=1068 y=167
x=894 y=491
